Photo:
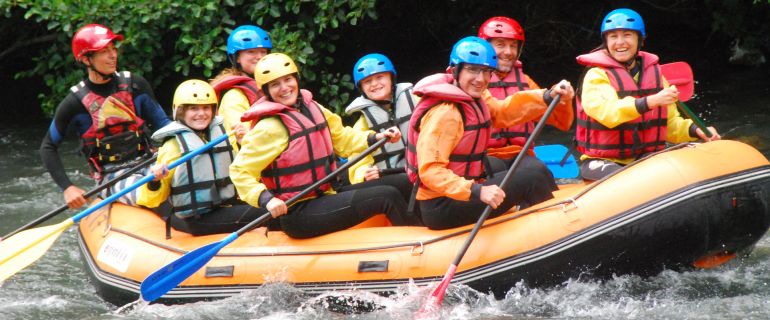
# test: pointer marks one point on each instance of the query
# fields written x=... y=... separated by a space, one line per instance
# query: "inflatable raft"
x=692 y=206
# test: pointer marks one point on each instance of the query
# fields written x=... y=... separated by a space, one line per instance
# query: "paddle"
x=691 y=115
x=680 y=74
x=435 y=299
x=557 y=158
x=88 y=194
x=26 y=247
x=171 y=275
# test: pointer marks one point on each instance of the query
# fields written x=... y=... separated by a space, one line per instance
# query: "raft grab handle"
x=418 y=252
x=565 y=205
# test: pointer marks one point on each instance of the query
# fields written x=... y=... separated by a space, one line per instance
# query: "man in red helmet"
x=507 y=38
x=111 y=111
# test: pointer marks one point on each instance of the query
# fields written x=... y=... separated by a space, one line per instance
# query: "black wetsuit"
x=72 y=115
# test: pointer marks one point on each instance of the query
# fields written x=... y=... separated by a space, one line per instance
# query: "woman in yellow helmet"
x=292 y=144
x=200 y=193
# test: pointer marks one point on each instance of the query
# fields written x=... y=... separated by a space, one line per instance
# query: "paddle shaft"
x=265 y=217
x=694 y=118
x=88 y=194
x=437 y=296
x=147 y=178
x=508 y=175
x=171 y=275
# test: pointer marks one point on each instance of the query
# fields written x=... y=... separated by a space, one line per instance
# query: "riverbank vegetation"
x=170 y=41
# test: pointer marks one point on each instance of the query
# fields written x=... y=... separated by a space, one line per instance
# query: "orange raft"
x=692 y=206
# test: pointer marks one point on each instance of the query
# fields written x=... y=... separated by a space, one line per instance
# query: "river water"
x=56 y=286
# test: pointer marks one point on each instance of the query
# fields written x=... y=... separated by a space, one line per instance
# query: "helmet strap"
x=456 y=71
x=266 y=92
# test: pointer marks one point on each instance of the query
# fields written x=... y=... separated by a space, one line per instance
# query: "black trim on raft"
x=724 y=214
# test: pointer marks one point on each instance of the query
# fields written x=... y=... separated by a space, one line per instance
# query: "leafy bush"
x=163 y=38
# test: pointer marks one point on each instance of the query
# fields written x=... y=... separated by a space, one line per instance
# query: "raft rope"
x=419 y=244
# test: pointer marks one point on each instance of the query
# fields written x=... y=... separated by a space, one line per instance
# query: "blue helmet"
x=370 y=64
x=623 y=19
x=247 y=37
x=473 y=50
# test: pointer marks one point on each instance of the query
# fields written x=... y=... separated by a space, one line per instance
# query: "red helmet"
x=90 y=38
x=501 y=27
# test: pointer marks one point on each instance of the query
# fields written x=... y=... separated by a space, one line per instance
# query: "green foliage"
x=163 y=38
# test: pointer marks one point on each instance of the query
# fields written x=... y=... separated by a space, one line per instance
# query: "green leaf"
x=275 y=11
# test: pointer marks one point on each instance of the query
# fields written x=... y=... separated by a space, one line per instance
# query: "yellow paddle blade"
x=24 y=248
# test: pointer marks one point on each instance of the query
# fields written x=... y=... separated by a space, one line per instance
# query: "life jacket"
x=115 y=137
x=203 y=183
x=632 y=139
x=514 y=82
x=467 y=159
x=390 y=155
x=308 y=157
x=247 y=85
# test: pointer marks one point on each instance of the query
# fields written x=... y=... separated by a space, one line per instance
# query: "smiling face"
x=284 y=90
x=378 y=86
x=473 y=79
x=622 y=45
x=104 y=61
x=507 y=51
x=197 y=116
x=248 y=58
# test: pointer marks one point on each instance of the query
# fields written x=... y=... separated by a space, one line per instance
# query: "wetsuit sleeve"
x=518 y=108
x=345 y=140
x=259 y=148
x=440 y=132
x=600 y=100
x=68 y=113
x=147 y=107
x=357 y=171
x=563 y=115
x=167 y=153
x=234 y=103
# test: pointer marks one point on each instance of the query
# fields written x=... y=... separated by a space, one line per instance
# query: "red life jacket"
x=309 y=156
x=514 y=82
x=466 y=160
x=116 y=132
x=632 y=139
x=247 y=85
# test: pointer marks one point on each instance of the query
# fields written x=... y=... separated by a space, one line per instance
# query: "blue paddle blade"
x=552 y=156
x=169 y=277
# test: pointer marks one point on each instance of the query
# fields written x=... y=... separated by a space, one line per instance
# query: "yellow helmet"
x=273 y=66
x=194 y=92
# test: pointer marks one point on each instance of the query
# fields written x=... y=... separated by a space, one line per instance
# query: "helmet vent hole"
x=360 y=69
x=380 y=63
x=266 y=72
x=286 y=64
x=195 y=95
x=246 y=39
x=631 y=19
x=474 y=53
